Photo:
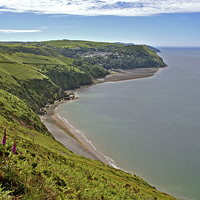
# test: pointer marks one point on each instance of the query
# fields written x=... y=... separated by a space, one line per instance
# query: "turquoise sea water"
x=149 y=127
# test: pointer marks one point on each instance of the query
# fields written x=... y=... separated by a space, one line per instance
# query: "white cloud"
x=101 y=7
x=18 y=31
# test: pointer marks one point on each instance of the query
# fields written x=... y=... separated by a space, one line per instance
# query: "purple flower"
x=14 y=148
x=20 y=153
x=4 y=138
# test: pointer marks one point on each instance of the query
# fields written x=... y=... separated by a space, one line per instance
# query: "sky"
x=157 y=23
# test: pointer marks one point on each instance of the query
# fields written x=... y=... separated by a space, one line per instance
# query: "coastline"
x=67 y=135
x=73 y=139
x=61 y=133
x=124 y=75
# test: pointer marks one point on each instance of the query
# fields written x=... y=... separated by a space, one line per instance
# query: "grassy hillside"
x=25 y=82
x=108 y=55
x=128 y=57
x=78 y=44
x=32 y=74
x=38 y=79
x=43 y=169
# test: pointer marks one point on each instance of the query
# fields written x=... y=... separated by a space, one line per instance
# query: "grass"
x=77 y=44
x=27 y=83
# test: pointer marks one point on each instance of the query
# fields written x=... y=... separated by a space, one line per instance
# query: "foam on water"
x=75 y=132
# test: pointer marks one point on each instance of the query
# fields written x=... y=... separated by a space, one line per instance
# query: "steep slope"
x=39 y=79
x=23 y=81
x=41 y=168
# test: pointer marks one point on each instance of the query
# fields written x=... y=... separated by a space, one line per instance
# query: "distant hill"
x=153 y=49
x=150 y=47
x=125 y=44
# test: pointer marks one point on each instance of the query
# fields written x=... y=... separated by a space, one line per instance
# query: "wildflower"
x=14 y=148
x=20 y=153
x=4 y=138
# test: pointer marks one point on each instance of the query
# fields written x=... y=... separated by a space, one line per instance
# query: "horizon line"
x=158 y=46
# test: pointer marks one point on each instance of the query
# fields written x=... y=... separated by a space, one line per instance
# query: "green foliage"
x=28 y=84
x=77 y=44
x=16 y=111
x=4 y=195
x=128 y=57
x=39 y=74
x=67 y=77
x=108 y=55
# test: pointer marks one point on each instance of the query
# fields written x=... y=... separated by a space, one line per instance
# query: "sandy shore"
x=130 y=74
x=70 y=137
x=54 y=124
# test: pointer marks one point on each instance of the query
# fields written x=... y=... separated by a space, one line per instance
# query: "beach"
x=131 y=74
x=68 y=135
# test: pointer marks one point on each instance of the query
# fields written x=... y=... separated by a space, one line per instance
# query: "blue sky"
x=153 y=22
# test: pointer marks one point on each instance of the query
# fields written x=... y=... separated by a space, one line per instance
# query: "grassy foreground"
x=33 y=165
x=42 y=168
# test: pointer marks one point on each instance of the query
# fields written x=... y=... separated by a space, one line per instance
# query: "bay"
x=148 y=127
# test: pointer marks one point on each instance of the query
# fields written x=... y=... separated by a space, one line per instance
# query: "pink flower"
x=14 y=148
x=4 y=138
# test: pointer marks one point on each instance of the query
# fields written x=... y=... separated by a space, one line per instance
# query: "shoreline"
x=130 y=74
x=61 y=133
x=72 y=139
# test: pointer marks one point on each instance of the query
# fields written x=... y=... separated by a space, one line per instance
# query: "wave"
x=89 y=144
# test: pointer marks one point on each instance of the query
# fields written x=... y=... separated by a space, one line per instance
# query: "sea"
x=149 y=126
